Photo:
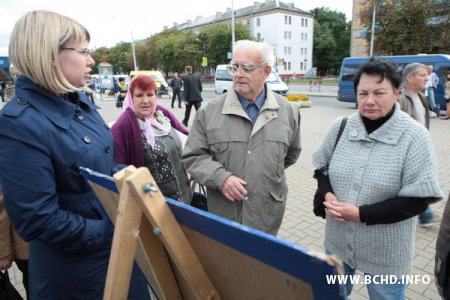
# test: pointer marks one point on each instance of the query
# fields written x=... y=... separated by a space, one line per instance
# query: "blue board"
x=283 y=257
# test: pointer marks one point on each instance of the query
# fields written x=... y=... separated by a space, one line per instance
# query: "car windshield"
x=157 y=78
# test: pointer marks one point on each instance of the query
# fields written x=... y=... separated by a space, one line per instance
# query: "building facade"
x=288 y=29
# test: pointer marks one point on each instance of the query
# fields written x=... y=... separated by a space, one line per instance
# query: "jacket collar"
x=389 y=133
x=232 y=105
x=54 y=107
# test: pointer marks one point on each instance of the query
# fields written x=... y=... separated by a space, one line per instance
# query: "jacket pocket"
x=219 y=151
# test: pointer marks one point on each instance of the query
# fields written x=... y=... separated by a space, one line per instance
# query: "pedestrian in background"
x=380 y=175
x=49 y=130
x=442 y=255
x=414 y=79
x=12 y=246
x=447 y=95
x=432 y=83
x=122 y=89
x=192 y=93
x=241 y=143
x=176 y=84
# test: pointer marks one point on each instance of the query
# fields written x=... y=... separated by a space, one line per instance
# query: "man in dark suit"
x=192 y=93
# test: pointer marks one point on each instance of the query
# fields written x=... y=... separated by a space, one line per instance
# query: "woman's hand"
x=341 y=211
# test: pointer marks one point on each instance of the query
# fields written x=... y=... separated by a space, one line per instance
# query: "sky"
x=113 y=21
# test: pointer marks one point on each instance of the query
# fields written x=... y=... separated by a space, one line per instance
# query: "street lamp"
x=373 y=27
x=204 y=45
x=204 y=53
x=134 y=52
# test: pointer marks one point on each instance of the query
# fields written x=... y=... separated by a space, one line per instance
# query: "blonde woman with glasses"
x=49 y=130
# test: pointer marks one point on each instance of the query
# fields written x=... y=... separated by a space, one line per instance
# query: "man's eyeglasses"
x=248 y=68
x=84 y=51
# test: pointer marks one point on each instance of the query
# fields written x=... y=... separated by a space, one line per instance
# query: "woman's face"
x=144 y=102
x=375 y=98
x=76 y=63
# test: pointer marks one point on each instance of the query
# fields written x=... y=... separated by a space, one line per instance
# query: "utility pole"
x=372 y=37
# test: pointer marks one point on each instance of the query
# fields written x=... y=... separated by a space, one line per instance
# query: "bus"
x=440 y=62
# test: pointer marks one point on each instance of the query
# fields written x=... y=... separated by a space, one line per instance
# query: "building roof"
x=257 y=8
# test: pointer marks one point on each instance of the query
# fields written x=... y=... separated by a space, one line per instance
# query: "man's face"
x=249 y=73
x=418 y=81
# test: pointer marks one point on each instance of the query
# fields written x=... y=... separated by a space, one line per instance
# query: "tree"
x=218 y=41
x=408 y=26
x=331 y=40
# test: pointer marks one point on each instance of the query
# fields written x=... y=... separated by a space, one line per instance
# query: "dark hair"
x=142 y=82
x=387 y=69
x=121 y=79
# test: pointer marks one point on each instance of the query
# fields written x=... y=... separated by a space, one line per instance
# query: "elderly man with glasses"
x=241 y=143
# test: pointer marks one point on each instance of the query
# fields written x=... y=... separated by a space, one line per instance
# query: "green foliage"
x=408 y=26
x=172 y=50
x=331 y=40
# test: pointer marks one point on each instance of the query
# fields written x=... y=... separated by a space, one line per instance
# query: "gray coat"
x=223 y=141
x=406 y=104
x=396 y=160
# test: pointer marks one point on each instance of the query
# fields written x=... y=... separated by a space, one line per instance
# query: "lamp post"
x=204 y=53
x=372 y=36
x=204 y=46
x=134 y=52
x=233 y=37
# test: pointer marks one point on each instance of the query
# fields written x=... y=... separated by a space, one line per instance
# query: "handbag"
x=318 y=207
x=7 y=289
x=199 y=198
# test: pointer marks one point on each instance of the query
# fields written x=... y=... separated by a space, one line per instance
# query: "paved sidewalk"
x=302 y=227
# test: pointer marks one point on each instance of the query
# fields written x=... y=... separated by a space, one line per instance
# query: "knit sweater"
x=397 y=159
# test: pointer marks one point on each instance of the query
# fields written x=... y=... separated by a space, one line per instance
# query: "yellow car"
x=161 y=84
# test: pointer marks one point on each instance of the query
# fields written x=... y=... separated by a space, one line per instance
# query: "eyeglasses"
x=248 y=68
x=84 y=51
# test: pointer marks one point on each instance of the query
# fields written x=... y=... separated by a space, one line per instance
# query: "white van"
x=224 y=81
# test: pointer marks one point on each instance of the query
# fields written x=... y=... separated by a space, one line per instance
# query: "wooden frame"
x=186 y=253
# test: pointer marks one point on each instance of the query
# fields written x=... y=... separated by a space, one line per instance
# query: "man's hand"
x=233 y=188
x=6 y=262
x=186 y=102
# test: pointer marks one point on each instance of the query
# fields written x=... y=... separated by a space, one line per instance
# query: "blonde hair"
x=34 y=47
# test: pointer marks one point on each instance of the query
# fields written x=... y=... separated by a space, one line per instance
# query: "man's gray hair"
x=265 y=50
x=411 y=69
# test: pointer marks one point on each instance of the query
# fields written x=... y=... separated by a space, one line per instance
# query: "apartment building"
x=287 y=28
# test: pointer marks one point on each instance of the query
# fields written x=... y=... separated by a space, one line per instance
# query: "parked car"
x=224 y=81
x=161 y=84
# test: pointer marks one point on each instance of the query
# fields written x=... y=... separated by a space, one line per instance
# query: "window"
x=305 y=51
x=306 y=36
x=258 y=37
x=303 y=36
x=301 y=65
x=285 y=35
x=301 y=51
x=258 y=22
x=289 y=35
x=289 y=50
x=290 y=20
x=306 y=22
x=285 y=50
x=303 y=22
x=285 y=19
x=289 y=65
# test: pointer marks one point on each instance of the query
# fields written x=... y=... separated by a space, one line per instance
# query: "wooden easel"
x=189 y=254
x=152 y=235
